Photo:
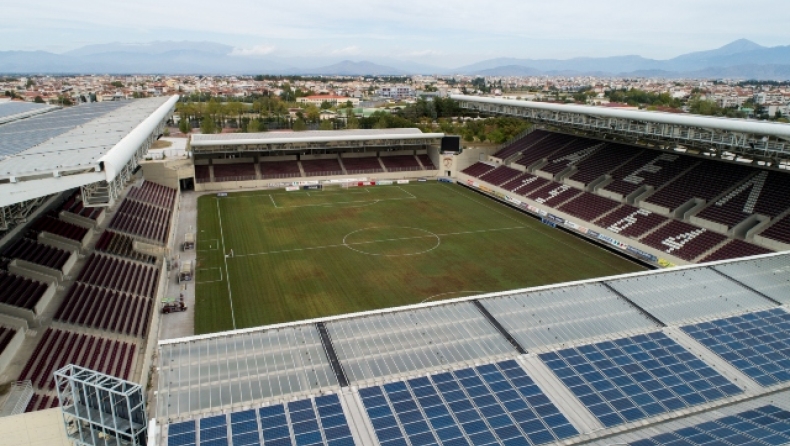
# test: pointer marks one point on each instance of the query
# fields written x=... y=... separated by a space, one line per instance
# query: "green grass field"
x=300 y=255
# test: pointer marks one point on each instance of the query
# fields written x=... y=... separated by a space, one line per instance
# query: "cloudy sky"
x=443 y=32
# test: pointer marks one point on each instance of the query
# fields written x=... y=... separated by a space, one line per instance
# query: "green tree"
x=326 y=105
x=326 y=124
x=117 y=84
x=299 y=125
x=207 y=125
x=183 y=126
x=253 y=126
x=351 y=119
x=38 y=100
x=29 y=83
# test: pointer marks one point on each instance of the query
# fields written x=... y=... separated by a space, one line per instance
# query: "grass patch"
x=300 y=255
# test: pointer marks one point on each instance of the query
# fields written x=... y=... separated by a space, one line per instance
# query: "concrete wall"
x=41 y=428
x=167 y=173
x=78 y=220
x=11 y=349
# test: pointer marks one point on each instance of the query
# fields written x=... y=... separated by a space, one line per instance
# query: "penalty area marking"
x=199 y=270
x=430 y=234
x=213 y=245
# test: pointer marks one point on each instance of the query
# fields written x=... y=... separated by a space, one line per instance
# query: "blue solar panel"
x=633 y=378
x=757 y=344
x=299 y=423
x=482 y=405
x=767 y=425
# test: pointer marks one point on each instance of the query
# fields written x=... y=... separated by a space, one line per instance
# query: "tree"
x=183 y=125
x=299 y=125
x=312 y=113
x=38 y=100
x=117 y=84
x=207 y=125
x=29 y=83
x=351 y=119
x=326 y=124
x=253 y=126
x=326 y=105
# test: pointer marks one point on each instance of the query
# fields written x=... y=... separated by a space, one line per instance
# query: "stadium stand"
x=683 y=240
x=477 y=170
x=19 y=291
x=501 y=175
x=649 y=168
x=75 y=205
x=122 y=246
x=631 y=222
x=589 y=207
x=104 y=309
x=426 y=161
x=202 y=173
x=60 y=347
x=143 y=220
x=280 y=169
x=735 y=249
x=322 y=167
x=30 y=251
x=779 y=231
x=531 y=183
x=401 y=163
x=544 y=148
x=5 y=337
x=153 y=193
x=234 y=172
x=121 y=275
x=765 y=193
x=369 y=164
x=58 y=227
x=553 y=194
x=577 y=150
x=706 y=180
x=603 y=162
x=521 y=144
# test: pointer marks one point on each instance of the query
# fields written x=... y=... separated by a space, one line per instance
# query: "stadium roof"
x=257 y=367
x=12 y=110
x=758 y=139
x=76 y=146
x=313 y=138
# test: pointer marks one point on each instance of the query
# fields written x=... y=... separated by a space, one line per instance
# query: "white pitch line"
x=227 y=273
x=273 y=202
x=412 y=195
x=313 y=248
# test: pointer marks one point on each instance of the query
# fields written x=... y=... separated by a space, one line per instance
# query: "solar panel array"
x=490 y=404
x=562 y=315
x=8 y=109
x=18 y=136
x=634 y=378
x=319 y=421
x=757 y=344
x=764 y=426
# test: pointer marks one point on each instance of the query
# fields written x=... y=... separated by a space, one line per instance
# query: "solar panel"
x=489 y=404
x=757 y=344
x=318 y=421
x=767 y=425
x=637 y=377
x=770 y=276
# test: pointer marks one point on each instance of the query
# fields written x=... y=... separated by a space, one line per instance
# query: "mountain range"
x=739 y=59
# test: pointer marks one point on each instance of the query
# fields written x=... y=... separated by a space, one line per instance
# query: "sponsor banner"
x=445 y=180
x=524 y=206
x=549 y=222
x=304 y=183
x=559 y=220
x=582 y=229
x=543 y=213
x=645 y=255
x=513 y=200
x=366 y=183
x=291 y=188
x=499 y=195
x=484 y=189
x=422 y=180
x=592 y=233
x=571 y=224
x=612 y=241
x=222 y=194
x=384 y=183
x=312 y=187
x=345 y=180
x=532 y=208
x=403 y=181
x=665 y=263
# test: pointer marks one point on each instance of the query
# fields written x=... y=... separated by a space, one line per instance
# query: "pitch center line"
x=313 y=248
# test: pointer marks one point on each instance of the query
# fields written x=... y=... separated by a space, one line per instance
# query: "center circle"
x=391 y=241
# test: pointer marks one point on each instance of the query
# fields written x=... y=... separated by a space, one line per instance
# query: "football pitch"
x=306 y=254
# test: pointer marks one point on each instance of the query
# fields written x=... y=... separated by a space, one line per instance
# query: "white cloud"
x=258 y=50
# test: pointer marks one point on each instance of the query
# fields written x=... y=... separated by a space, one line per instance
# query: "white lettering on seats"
x=575 y=157
x=677 y=242
x=553 y=193
x=651 y=167
x=756 y=183
x=627 y=221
